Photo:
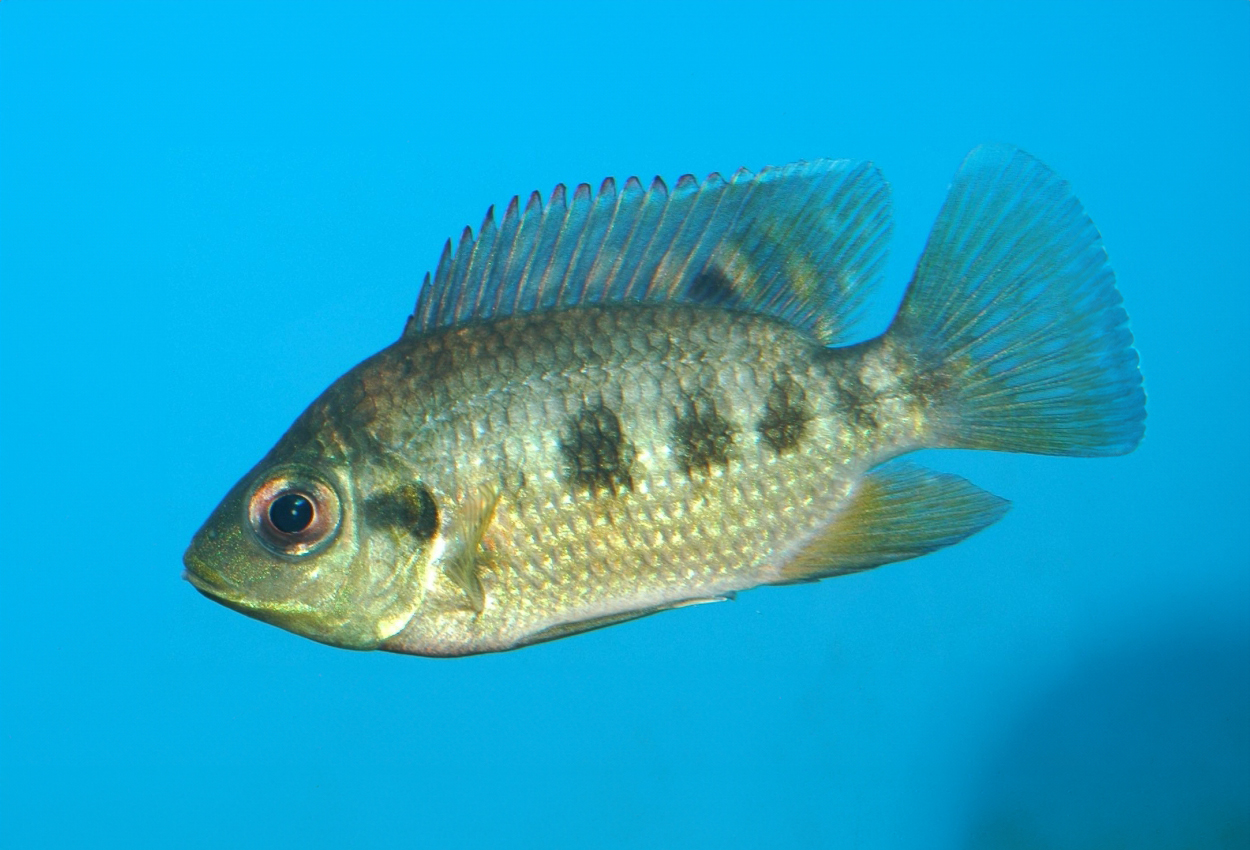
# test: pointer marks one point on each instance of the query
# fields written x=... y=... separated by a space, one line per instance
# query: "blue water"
x=210 y=211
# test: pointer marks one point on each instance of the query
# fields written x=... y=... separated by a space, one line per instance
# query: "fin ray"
x=464 y=551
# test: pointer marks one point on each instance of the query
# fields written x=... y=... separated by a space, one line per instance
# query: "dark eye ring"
x=294 y=512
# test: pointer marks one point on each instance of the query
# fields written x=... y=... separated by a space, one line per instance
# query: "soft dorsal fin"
x=804 y=243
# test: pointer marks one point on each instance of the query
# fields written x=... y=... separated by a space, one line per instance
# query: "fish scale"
x=555 y=548
x=608 y=406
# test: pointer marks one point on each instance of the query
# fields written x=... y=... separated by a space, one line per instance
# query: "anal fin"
x=897 y=511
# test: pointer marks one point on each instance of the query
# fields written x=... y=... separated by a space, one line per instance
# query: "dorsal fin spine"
x=546 y=249
x=444 y=263
x=655 y=205
x=493 y=287
x=706 y=191
x=479 y=266
x=528 y=227
x=674 y=222
x=640 y=286
x=613 y=273
x=467 y=245
x=593 y=281
x=545 y=241
x=569 y=233
x=717 y=199
x=581 y=204
x=519 y=258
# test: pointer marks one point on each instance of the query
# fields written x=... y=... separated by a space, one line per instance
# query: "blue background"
x=210 y=211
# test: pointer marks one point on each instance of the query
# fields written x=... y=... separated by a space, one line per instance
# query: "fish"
x=619 y=402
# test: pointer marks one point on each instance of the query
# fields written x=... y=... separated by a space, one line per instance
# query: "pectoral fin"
x=898 y=511
x=465 y=550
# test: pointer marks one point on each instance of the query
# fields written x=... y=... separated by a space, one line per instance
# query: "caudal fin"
x=1014 y=306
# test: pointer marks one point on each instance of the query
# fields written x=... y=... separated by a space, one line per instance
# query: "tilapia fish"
x=613 y=403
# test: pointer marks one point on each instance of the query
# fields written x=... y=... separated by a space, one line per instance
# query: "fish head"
x=302 y=542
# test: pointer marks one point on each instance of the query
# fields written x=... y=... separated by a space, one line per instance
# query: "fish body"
x=612 y=405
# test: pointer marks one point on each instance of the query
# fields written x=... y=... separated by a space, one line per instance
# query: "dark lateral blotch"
x=701 y=436
x=786 y=415
x=410 y=508
x=597 y=456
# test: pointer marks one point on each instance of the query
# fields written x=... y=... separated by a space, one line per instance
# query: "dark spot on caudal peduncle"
x=597 y=456
x=857 y=401
x=786 y=415
x=701 y=436
x=408 y=508
x=928 y=385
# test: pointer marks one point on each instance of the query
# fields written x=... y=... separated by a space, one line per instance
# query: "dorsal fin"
x=803 y=243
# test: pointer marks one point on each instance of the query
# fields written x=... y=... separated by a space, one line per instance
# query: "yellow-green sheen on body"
x=515 y=471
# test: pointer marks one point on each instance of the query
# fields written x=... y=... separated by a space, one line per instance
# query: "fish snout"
x=202 y=576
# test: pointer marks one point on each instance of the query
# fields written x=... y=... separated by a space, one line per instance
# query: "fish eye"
x=294 y=513
x=291 y=513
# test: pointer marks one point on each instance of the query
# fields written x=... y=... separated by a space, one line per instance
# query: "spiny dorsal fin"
x=898 y=511
x=464 y=551
x=804 y=243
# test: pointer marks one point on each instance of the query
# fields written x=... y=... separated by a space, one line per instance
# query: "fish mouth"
x=211 y=584
x=208 y=582
x=205 y=579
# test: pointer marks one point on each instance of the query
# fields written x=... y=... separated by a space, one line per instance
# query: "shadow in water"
x=1146 y=748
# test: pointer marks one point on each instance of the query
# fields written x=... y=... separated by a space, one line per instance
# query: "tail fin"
x=1013 y=303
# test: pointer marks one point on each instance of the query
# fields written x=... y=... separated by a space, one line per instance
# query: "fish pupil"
x=291 y=513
